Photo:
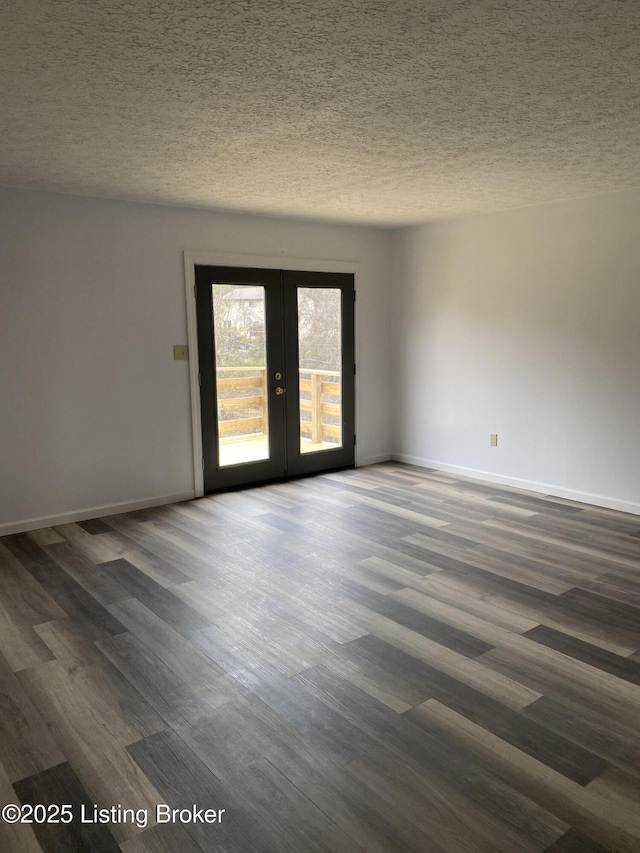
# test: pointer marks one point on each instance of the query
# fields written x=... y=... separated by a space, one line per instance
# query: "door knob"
x=279 y=390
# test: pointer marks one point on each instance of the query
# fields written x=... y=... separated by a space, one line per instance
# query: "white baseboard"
x=518 y=483
x=10 y=527
x=373 y=460
x=632 y=507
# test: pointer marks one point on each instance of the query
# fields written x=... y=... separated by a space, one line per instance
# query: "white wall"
x=527 y=324
x=93 y=409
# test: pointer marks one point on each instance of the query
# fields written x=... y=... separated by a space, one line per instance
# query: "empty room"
x=320 y=426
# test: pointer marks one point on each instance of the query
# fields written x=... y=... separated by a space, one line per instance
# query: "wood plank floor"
x=387 y=659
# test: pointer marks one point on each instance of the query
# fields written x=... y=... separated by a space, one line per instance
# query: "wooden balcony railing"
x=314 y=386
x=250 y=401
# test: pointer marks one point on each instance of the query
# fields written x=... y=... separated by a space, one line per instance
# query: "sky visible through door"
x=240 y=357
x=319 y=364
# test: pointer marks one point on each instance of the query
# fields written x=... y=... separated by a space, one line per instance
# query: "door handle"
x=279 y=391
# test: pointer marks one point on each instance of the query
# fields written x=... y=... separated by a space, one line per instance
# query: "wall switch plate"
x=181 y=352
x=493 y=440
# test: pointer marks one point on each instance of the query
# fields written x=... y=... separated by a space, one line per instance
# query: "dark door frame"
x=281 y=285
x=267 y=469
x=307 y=463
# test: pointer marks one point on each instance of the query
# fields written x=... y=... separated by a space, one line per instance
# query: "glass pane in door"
x=240 y=350
x=320 y=365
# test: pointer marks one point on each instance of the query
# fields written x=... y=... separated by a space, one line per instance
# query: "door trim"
x=237 y=259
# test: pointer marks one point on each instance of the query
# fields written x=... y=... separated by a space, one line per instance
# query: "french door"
x=276 y=364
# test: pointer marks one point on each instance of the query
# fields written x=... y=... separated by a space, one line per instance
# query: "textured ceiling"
x=361 y=110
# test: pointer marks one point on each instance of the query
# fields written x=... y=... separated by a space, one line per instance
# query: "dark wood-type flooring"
x=387 y=659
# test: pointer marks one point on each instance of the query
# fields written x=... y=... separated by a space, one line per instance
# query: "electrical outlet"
x=181 y=352
x=493 y=440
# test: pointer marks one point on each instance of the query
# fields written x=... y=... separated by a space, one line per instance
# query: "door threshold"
x=276 y=480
